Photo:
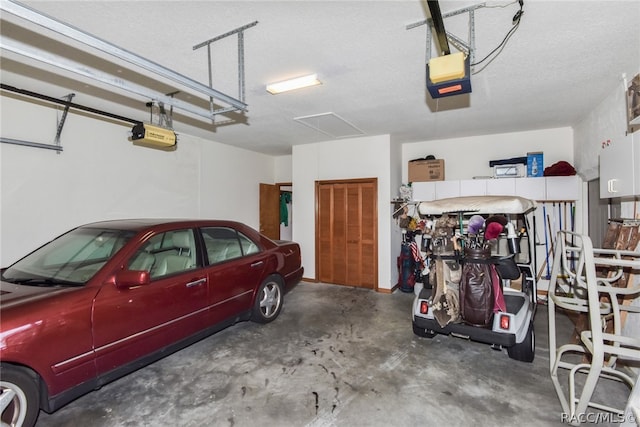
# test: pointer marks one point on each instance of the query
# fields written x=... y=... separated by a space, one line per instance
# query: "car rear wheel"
x=268 y=303
x=524 y=351
x=19 y=397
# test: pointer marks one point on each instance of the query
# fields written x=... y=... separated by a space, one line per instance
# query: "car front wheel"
x=19 y=397
x=268 y=303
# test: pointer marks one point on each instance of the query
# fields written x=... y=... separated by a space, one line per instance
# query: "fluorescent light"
x=291 y=84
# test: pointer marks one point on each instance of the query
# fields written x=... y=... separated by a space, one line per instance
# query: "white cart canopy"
x=478 y=204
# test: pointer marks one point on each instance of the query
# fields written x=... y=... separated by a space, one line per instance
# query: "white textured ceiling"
x=565 y=57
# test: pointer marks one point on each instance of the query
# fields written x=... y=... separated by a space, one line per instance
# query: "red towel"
x=560 y=168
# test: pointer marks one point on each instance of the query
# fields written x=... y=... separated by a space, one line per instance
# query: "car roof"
x=139 y=224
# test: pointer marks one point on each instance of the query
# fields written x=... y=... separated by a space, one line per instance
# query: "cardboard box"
x=535 y=164
x=426 y=170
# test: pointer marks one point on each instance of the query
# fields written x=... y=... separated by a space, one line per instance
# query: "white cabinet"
x=423 y=191
x=447 y=189
x=549 y=188
x=434 y=190
x=473 y=187
x=619 y=176
x=501 y=186
x=563 y=188
x=531 y=188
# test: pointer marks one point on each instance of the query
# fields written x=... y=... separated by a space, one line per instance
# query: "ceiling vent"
x=330 y=124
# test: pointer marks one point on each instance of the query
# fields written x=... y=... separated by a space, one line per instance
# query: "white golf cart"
x=438 y=306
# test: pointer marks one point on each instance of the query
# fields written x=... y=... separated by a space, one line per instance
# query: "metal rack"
x=33 y=16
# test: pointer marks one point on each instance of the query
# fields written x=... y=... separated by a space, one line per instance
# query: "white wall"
x=283 y=167
x=230 y=180
x=343 y=159
x=396 y=233
x=467 y=157
x=101 y=175
x=607 y=122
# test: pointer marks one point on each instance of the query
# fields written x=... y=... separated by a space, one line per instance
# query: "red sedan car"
x=106 y=298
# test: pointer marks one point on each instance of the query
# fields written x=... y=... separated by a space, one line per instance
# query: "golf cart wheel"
x=424 y=333
x=524 y=351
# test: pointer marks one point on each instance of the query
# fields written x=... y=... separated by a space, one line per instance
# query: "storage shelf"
x=548 y=188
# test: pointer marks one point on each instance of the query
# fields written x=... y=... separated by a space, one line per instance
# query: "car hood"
x=12 y=294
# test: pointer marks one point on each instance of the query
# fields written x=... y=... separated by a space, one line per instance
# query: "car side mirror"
x=132 y=278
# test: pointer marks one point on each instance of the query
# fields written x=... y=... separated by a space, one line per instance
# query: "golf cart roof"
x=478 y=205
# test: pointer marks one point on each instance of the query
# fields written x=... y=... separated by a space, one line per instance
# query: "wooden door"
x=270 y=211
x=346 y=233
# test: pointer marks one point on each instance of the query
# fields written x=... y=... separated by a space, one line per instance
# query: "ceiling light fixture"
x=292 y=84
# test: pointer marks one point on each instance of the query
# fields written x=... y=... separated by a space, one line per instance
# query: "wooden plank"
x=627 y=240
x=611 y=237
x=632 y=245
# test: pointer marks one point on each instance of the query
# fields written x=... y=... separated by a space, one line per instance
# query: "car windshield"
x=71 y=259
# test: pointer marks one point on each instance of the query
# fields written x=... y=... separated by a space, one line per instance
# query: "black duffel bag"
x=476 y=288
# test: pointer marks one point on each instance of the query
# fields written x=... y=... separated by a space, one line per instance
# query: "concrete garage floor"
x=336 y=356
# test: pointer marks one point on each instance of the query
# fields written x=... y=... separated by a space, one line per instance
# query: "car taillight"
x=505 y=321
x=424 y=307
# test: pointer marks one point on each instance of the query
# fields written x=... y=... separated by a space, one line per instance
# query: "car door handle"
x=196 y=283
x=257 y=264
